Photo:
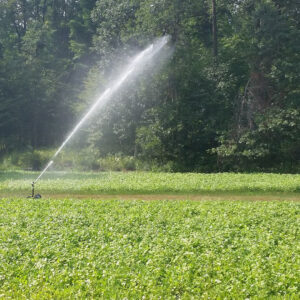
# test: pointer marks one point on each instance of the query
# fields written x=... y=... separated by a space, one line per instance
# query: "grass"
x=93 y=235
x=148 y=183
x=70 y=248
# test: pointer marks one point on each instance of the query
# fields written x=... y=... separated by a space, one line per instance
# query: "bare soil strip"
x=193 y=197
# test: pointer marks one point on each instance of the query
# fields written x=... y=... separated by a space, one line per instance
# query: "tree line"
x=226 y=100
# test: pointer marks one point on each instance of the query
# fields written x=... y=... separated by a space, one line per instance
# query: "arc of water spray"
x=144 y=56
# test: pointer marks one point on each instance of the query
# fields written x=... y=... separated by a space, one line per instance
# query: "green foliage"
x=275 y=143
x=197 y=111
x=68 y=248
x=26 y=160
x=148 y=182
x=84 y=160
x=117 y=163
x=38 y=76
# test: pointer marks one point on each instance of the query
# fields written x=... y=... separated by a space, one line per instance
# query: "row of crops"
x=146 y=182
x=68 y=248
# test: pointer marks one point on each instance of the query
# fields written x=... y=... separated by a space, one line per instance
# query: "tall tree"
x=214 y=28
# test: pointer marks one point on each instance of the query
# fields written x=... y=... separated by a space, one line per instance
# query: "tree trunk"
x=214 y=29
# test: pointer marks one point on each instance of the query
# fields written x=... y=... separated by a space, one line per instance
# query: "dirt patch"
x=192 y=197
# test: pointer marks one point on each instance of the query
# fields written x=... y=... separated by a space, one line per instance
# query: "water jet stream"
x=137 y=62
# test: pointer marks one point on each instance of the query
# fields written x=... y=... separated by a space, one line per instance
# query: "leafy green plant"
x=274 y=143
x=70 y=248
x=148 y=182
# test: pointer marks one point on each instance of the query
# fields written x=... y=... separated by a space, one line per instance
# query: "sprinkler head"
x=33 y=196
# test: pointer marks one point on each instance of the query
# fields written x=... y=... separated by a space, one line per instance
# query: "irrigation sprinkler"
x=33 y=195
x=38 y=196
x=133 y=67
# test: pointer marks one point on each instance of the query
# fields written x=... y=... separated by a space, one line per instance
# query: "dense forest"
x=227 y=99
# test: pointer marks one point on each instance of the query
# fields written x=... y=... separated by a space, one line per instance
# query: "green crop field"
x=86 y=238
x=130 y=249
x=149 y=183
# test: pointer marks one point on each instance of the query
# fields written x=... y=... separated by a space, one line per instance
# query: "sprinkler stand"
x=32 y=191
x=33 y=196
